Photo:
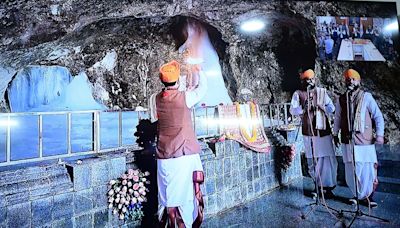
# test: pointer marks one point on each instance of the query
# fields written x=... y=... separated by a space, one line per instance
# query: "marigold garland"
x=243 y=131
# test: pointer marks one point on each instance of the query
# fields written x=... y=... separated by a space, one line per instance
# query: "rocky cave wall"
x=139 y=35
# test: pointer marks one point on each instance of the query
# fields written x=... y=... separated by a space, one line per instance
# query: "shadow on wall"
x=145 y=161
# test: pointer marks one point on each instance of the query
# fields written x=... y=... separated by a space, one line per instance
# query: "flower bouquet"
x=127 y=193
x=285 y=151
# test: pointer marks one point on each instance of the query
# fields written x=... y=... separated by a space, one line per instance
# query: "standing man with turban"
x=178 y=159
x=314 y=104
x=356 y=129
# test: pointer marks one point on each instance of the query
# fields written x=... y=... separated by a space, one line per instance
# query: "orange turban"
x=170 y=72
x=308 y=74
x=350 y=73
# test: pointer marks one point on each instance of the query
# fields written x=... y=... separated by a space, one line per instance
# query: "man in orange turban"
x=356 y=110
x=308 y=74
x=179 y=166
x=352 y=74
x=314 y=105
x=169 y=72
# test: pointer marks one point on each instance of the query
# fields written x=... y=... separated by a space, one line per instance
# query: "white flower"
x=117 y=189
x=119 y=206
x=130 y=191
x=122 y=200
x=124 y=189
x=110 y=200
x=124 y=182
x=144 y=193
x=129 y=183
x=115 y=211
x=112 y=182
x=110 y=205
x=146 y=173
x=140 y=199
x=134 y=200
x=144 y=179
x=117 y=200
x=121 y=216
x=126 y=203
x=124 y=209
x=136 y=194
x=141 y=184
x=111 y=192
x=130 y=171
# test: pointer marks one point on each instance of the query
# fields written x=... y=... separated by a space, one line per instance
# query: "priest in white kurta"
x=356 y=110
x=315 y=106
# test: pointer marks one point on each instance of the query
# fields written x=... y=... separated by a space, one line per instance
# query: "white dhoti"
x=175 y=185
x=325 y=159
x=365 y=157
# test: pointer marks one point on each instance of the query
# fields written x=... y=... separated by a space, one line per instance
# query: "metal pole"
x=286 y=114
x=207 y=121
x=119 y=128
x=69 y=150
x=98 y=145
x=277 y=114
x=8 y=143
x=216 y=116
x=40 y=123
x=262 y=115
x=270 y=115
x=95 y=134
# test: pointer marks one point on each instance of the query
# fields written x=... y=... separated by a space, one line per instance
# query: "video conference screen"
x=356 y=38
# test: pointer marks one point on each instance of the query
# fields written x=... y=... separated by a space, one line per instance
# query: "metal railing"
x=273 y=115
x=277 y=115
x=94 y=125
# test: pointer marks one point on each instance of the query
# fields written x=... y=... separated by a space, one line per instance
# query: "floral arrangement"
x=285 y=152
x=127 y=193
x=253 y=112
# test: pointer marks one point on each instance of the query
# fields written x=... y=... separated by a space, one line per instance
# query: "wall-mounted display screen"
x=356 y=38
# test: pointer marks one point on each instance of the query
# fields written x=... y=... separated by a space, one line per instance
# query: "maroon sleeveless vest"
x=365 y=138
x=176 y=136
x=306 y=126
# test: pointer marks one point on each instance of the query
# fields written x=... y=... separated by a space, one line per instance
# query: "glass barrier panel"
x=109 y=130
x=24 y=137
x=81 y=132
x=54 y=134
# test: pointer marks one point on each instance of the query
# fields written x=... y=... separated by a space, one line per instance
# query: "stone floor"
x=284 y=207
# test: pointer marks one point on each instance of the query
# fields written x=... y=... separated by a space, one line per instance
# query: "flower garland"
x=253 y=116
x=127 y=193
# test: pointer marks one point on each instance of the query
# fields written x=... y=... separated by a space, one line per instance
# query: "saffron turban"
x=170 y=72
x=308 y=74
x=350 y=73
